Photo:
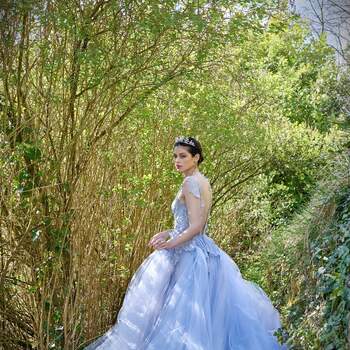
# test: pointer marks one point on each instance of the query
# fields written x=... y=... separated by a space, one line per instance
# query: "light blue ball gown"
x=192 y=297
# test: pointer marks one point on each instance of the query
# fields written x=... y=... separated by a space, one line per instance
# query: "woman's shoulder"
x=197 y=181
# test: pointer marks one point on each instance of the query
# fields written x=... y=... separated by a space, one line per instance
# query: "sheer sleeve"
x=192 y=186
x=194 y=204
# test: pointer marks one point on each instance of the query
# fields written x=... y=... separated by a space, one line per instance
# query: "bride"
x=188 y=294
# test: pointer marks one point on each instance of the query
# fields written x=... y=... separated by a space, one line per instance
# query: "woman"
x=188 y=294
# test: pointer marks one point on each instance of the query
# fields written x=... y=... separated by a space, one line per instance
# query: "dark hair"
x=192 y=149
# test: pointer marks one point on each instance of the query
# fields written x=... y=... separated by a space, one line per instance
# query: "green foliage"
x=330 y=253
x=295 y=168
x=299 y=70
x=305 y=265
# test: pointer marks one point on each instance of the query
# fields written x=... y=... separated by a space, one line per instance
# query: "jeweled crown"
x=185 y=139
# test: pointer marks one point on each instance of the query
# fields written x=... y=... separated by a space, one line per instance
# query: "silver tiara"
x=186 y=140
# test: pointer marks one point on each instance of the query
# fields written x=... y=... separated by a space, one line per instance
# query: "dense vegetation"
x=305 y=264
x=93 y=94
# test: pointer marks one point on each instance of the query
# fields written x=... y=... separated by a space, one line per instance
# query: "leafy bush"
x=305 y=266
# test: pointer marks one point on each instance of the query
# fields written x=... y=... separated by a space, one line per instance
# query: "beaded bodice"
x=179 y=208
x=181 y=222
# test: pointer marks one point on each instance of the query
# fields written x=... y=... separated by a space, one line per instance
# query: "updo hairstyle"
x=197 y=148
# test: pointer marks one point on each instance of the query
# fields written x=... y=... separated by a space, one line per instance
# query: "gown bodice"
x=181 y=221
x=179 y=208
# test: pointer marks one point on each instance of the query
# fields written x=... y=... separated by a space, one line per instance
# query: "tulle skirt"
x=192 y=298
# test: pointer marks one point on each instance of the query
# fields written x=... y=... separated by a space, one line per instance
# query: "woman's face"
x=183 y=159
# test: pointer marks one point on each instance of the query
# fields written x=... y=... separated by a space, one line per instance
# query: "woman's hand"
x=170 y=243
x=158 y=238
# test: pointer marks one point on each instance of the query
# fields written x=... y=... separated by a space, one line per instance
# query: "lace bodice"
x=181 y=221
x=179 y=208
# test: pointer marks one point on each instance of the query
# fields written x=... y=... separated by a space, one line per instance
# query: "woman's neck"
x=191 y=172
